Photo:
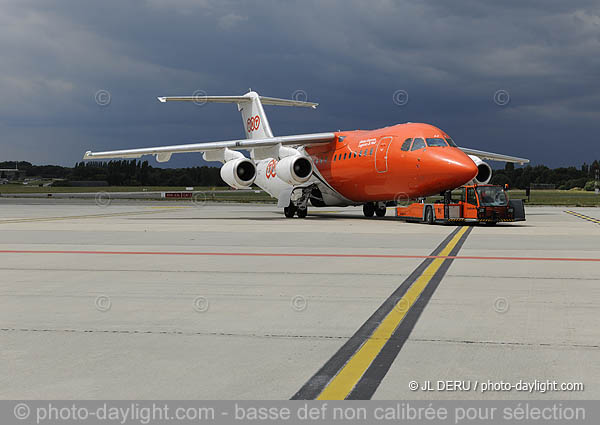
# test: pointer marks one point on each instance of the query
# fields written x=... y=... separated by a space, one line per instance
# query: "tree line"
x=122 y=173
x=562 y=178
x=140 y=173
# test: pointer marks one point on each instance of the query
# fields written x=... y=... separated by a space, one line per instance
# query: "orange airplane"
x=363 y=167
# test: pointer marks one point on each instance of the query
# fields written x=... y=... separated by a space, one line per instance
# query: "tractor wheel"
x=429 y=216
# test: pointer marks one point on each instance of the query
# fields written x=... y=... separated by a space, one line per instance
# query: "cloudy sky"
x=541 y=58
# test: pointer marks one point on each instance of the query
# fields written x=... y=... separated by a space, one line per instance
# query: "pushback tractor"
x=487 y=204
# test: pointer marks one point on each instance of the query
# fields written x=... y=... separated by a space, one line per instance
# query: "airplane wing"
x=242 y=144
x=494 y=156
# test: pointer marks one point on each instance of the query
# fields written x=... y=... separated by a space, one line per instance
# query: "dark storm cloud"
x=351 y=56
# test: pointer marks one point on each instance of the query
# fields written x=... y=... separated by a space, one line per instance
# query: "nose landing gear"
x=380 y=210
x=371 y=208
x=368 y=209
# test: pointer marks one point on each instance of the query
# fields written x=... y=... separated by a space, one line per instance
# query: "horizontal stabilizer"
x=238 y=99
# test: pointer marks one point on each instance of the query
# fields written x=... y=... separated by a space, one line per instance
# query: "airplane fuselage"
x=400 y=161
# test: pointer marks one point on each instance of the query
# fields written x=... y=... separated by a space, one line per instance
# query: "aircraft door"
x=381 y=153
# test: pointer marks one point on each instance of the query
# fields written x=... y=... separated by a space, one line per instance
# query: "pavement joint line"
x=283 y=336
x=291 y=254
x=36 y=219
x=358 y=367
x=172 y=332
x=510 y=343
x=583 y=216
x=283 y=272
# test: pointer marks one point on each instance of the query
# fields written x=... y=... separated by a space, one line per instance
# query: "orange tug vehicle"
x=485 y=203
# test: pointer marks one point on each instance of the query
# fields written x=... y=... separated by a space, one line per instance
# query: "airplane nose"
x=453 y=167
x=464 y=169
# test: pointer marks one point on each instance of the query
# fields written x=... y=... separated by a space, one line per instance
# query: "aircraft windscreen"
x=436 y=141
x=451 y=142
x=492 y=196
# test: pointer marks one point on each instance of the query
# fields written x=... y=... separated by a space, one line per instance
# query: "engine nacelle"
x=295 y=169
x=484 y=171
x=239 y=173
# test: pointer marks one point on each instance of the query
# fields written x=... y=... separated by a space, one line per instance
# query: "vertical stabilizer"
x=254 y=119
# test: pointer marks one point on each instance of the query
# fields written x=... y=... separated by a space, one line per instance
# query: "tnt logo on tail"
x=253 y=123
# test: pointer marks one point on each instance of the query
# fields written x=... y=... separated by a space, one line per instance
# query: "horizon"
x=78 y=77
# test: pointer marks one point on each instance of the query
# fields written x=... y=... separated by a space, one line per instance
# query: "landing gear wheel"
x=380 y=211
x=289 y=211
x=368 y=209
x=302 y=212
x=429 y=215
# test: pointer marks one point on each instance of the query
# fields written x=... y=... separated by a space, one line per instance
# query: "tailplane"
x=250 y=105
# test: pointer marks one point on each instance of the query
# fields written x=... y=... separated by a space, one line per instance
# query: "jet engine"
x=294 y=170
x=239 y=173
x=484 y=173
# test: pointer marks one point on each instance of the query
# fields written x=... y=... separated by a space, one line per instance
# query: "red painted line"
x=466 y=257
x=266 y=254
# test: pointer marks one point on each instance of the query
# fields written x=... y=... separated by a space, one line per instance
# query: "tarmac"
x=184 y=300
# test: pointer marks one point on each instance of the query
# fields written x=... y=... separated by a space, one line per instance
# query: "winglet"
x=162 y=99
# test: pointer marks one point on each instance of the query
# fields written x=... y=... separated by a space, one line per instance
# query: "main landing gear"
x=372 y=208
x=299 y=207
x=292 y=210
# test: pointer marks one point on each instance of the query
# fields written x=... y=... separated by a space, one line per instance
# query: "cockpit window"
x=418 y=144
x=436 y=141
x=406 y=145
x=451 y=142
